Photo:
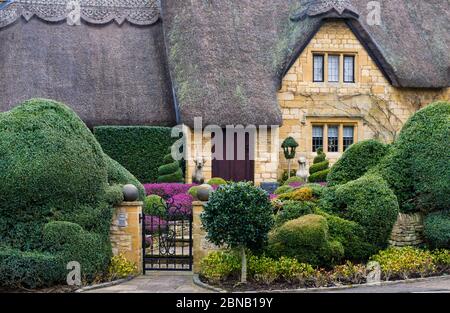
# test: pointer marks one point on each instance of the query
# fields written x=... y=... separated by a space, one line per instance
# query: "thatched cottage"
x=326 y=72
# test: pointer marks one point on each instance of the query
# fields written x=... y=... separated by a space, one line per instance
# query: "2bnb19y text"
x=226 y=303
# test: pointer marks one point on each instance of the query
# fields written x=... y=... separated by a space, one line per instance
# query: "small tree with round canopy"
x=289 y=146
x=238 y=215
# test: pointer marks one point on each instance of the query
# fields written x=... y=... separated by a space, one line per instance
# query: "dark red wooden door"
x=236 y=165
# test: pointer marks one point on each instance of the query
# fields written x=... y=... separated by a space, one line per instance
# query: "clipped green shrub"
x=170 y=171
x=140 y=149
x=356 y=161
x=118 y=175
x=293 y=179
x=53 y=169
x=320 y=157
x=292 y=210
x=262 y=269
x=29 y=269
x=317 y=189
x=307 y=240
x=154 y=205
x=70 y=242
x=437 y=229
x=240 y=216
x=300 y=194
x=216 y=181
x=349 y=234
x=369 y=202
x=291 y=270
x=417 y=168
x=193 y=191
x=318 y=167
x=219 y=266
x=319 y=177
x=284 y=176
x=405 y=262
x=114 y=194
x=283 y=189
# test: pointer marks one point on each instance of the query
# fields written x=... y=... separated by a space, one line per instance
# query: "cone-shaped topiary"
x=171 y=171
x=320 y=168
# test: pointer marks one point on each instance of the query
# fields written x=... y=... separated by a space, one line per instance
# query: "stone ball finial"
x=204 y=191
x=130 y=193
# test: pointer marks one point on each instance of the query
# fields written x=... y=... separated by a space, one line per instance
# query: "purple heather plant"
x=180 y=204
x=167 y=190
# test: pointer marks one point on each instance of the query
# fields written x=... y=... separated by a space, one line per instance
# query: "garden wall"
x=408 y=230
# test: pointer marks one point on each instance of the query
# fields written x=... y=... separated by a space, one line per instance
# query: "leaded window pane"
x=333 y=138
x=349 y=69
x=317 y=137
x=349 y=136
x=318 y=68
x=333 y=68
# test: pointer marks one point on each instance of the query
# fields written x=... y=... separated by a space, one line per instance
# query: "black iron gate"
x=167 y=238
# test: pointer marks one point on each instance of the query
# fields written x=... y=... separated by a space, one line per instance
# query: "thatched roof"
x=227 y=58
x=112 y=69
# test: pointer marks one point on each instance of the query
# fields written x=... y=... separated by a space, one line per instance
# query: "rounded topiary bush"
x=154 y=205
x=293 y=179
x=437 y=229
x=369 y=202
x=306 y=239
x=70 y=242
x=53 y=169
x=293 y=209
x=356 y=161
x=283 y=189
x=238 y=214
x=217 y=181
x=417 y=168
x=349 y=234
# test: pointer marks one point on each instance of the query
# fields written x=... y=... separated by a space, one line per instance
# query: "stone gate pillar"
x=201 y=247
x=126 y=232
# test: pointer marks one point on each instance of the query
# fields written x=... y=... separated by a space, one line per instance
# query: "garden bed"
x=280 y=287
x=220 y=271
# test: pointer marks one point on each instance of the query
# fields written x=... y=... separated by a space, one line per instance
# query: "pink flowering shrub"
x=180 y=204
x=167 y=190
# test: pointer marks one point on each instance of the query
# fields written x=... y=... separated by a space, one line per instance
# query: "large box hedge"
x=140 y=149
